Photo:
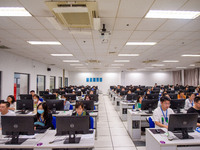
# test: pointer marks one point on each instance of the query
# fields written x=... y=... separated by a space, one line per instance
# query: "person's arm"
x=161 y=125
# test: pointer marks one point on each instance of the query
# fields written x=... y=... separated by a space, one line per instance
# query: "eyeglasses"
x=167 y=104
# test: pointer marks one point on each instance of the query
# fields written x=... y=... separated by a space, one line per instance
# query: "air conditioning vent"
x=131 y=69
x=92 y=61
x=76 y=15
x=112 y=53
x=149 y=61
x=4 y=47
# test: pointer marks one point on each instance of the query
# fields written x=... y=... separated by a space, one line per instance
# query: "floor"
x=112 y=133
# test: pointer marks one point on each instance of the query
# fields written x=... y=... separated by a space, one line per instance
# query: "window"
x=59 y=82
x=0 y=84
x=66 y=82
x=41 y=80
x=21 y=84
x=52 y=82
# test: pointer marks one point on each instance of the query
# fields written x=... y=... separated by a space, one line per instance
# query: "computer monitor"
x=78 y=93
x=55 y=90
x=131 y=97
x=139 y=92
x=70 y=96
x=155 y=92
x=177 y=104
x=25 y=105
x=94 y=97
x=61 y=92
x=68 y=90
x=118 y=90
x=122 y=93
x=72 y=125
x=88 y=105
x=171 y=91
x=149 y=104
x=25 y=96
x=49 y=96
x=17 y=125
x=42 y=93
x=153 y=96
x=172 y=95
x=183 y=123
x=1 y=101
x=84 y=91
x=55 y=105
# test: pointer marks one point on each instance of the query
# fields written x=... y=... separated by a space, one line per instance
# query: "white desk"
x=124 y=106
x=87 y=141
x=118 y=99
x=153 y=142
x=136 y=120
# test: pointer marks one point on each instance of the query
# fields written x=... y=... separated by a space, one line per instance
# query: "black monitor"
x=177 y=104
x=70 y=96
x=78 y=93
x=68 y=90
x=94 y=97
x=183 y=123
x=84 y=91
x=88 y=105
x=152 y=96
x=17 y=125
x=172 y=95
x=72 y=125
x=61 y=92
x=55 y=90
x=25 y=96
x=42 y=93
x=55 y=105
x=155 y=92
x=25 y=105
x=1 y=101
x=139 y=92
x=118 y=90
x=171 y=91
x=122 y=93
x=149 y=105
x=49 y=96
x=131 y=97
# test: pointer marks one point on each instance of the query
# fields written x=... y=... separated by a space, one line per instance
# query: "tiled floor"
x=112 y=133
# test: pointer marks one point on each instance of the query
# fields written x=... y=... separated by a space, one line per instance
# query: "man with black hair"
x=161 y=114
x=4 y=110
x=195 y=108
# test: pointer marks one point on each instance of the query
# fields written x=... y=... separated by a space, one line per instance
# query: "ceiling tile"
x=173 y=25
x=126 y=23
x=150 y=24
x=139 y=36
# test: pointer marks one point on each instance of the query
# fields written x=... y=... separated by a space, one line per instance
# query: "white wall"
x=109 y=78
x=10 y=63
x=122 y=78
x=148 y=78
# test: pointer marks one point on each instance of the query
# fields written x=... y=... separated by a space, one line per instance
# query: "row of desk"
x=138 y=119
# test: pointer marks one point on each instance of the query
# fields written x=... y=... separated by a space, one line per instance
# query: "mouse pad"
x=154 y=131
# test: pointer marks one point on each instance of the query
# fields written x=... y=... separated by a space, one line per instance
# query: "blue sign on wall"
x=90 y=79
x=94 y=79
x=100 y=79
x=87 y=80
x=97 y=79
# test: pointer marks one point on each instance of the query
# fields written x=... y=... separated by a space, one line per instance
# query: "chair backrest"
x=54 y=121
x=91 y=123
x=150 y=121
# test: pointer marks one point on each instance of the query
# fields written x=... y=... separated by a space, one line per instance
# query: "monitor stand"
x=149 y=111
x=72 y=139
x=184 y=135
x=54 y=111
x=15 y=140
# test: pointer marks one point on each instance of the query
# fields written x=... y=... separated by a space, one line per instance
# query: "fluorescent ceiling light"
x=190 y=55
x=70 y=60
x=172 y=14
x=149 y=67
x=128 y=54
x=117 y=64
x=192 y=65
x=172 y=61
x=44 y=42
x=140 y=43
x=121 y=60
x=71 y=10
x=76 y=64
x=14 y=11
x=181 y=67
x=158 y=65
x=61 y=55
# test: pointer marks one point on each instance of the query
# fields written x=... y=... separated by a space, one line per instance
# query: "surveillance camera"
x=102 y=33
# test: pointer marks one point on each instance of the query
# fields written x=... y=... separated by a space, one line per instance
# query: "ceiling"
x=124 y=18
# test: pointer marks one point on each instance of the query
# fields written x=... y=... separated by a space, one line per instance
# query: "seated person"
x=190 y=101
x=11 y=100
x=87 y=98
x=139 y=103
x=181 y=95
x=36 y=100
x=91 y=93
x=32 y=92
x=66 y=102
x=163 y=95
x=79 y=110
x=147 y=94
x=43 y=118
x=161 y=114
x=4 y=110
x=195 y=108
x=196 y=90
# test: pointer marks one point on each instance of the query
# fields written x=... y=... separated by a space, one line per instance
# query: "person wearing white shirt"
x=190 y=101
x=4 y=110
x=161 y=114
